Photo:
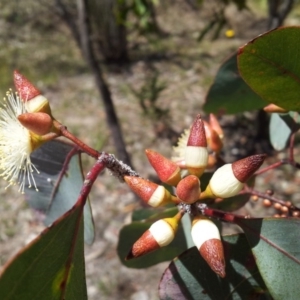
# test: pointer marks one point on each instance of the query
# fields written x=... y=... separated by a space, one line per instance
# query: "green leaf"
x=65 y=197
x=189 y=276
x=279 y=132
x=129 y=234
x=51 y=266
x=229 y=93
x=281 y=127
x=276 y=246
x=58 y=185
x=153 y=214
x=270 y=65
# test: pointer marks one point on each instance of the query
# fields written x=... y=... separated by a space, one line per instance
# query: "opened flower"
x=16 y=144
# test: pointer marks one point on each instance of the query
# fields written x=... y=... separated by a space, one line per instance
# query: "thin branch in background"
x=81 y=31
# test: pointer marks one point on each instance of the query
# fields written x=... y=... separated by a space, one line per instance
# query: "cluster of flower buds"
x=183 y=174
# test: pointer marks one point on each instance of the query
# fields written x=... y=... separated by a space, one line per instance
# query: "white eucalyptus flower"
x=16 y=144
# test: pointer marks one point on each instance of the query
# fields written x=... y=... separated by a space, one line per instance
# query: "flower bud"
x=229 y=179
x=206 y=237
x=215 y=125
x=167 y=170
x=38 y=123
x=213 y=140
x=153 y=194
x=273 y=108
x=188 y=189
x=160 y=234
x=196 y=154
x=34 y=101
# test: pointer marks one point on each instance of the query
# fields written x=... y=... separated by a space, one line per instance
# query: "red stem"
x=251 y=191
x=90 y=179
x=291 y=150
x=221 y=215
x=84 y=147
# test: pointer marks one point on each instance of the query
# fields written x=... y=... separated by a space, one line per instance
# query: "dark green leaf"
x=51 y=266
x=270 y=65
x=189 y=276
x=229 y=93
x=58 y=192
x=276 y=246
x=129 y=235
x=153 y=214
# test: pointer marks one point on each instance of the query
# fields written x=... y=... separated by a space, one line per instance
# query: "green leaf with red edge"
x=270 y=65
x=229 y=93
x=59 y=184
x=129 y=234
x=275 y=243
x=50 y=267
x=189 y=276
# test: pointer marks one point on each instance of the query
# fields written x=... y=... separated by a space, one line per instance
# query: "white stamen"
x=15 y=144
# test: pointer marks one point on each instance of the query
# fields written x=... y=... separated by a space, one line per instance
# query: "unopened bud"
x=229 y=179
x=153 y=194
x=273 y=108
x=188 y=189
x=206 y=237
x=196 y=154
x=167 y=170
x=215 y=125
x=38 y=123
x=34 y=101
x=160 y=234
x=213 y=140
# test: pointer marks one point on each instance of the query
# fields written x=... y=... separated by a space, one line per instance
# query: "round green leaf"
x=276 y=246
x=229 y=92
x=189 y=276
x=270 y=65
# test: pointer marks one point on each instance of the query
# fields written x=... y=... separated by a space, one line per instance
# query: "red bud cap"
x=167 y=170
x=26 y=89
x=160 y=234
x=153 y=194
x=188 y=189
x=244 y=168
x=196 y=154
x=38 y=123
x=34 y=101
x=215 y=125
x=197 y=136
x=206 y=237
